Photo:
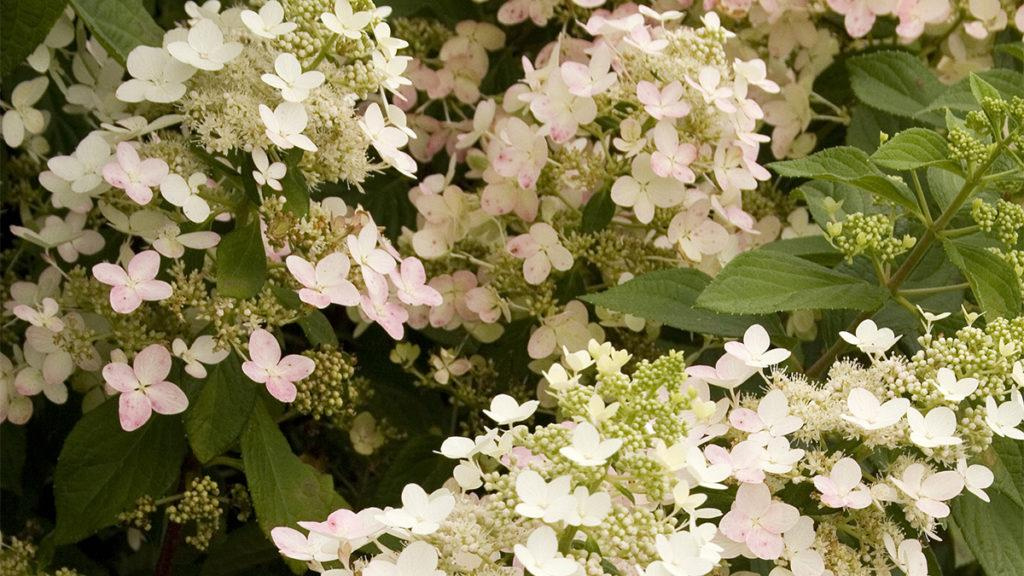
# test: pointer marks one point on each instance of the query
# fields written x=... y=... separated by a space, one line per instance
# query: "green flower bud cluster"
x=425 y=35
x=329 y=392
x=140 y=516
x=867 y=234
x=966 y=148
x=199 y=505
x=1006 y=219
x=239 y=499
x=18 y=558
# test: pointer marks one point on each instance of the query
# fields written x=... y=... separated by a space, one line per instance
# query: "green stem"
x=931 y=233
x=921 y=200
x=933 y=289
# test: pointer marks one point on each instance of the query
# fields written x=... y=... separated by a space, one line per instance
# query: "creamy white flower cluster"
x=643 y=473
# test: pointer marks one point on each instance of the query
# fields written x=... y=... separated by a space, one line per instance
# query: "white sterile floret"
x=267 y=173
x=952 y=388
x=22 y=118
x=417 y=559
x=548 y=501
x=868 y=413
x=871 y=339
x=1005 y=418
x=506 y=410
x=755 y=350
x=345 y=22
x=185 y=195
x=908 y=557
x=936 y=429
x=420 y=513
x=203 y=351
x=976 y=478
x=294 y=84
x=205 y=48
x=156 y=76
x=587 y=448
x=772 y=416
x=540 y=555
x=929 y=492
x=285 y=125
x=269 y=22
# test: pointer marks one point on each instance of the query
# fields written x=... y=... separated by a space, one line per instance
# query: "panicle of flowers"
x=639 y=471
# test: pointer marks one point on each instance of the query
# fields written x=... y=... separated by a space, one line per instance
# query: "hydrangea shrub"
x=512 y=287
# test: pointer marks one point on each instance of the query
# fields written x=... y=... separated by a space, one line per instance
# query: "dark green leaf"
x=318 y=329
x=867 y=124
x=102 y=469
x=993 y=531
x=914 y=148
x=241 y=262
x=992 y=279
x=416 y=462
x=765 y=281
x=894 y=82
x=668 y=297
x=814 y=248
x=221 y=411
x=284 y=489
x=293 y=185
x=851 y=166
x=244 y=551
x=119 y=25
x=1011 y=461
x=26 y=24
x=13 y=449
x=599 y=211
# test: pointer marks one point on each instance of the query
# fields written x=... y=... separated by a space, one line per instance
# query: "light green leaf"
x=102 y=469
x=813 y=248
x=221 y=411
x=284 y=489
x=849 y=165
x=993 y=531
x=668 y=297
x=26 y=24
x=765 y=281
x=119 y=25
x=914 y=148
x=894 y=82
x=830 y=201
x=960 y=98
x=241 y=262
x=992 y=279
x=982 y=89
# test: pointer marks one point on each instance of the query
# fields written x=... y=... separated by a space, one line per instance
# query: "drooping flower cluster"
x=643 y=473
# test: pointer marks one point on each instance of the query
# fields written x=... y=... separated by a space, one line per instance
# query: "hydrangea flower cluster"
x=642 y=472
x=173 y=162
x=625 y=150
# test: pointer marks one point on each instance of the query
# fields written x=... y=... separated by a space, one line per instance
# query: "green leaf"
x=244 y=551
x=866 y=125
x=1014 y=49
x=318 y=329
x=894 y=82
x=222 y=409
x=914 y=148
x=1010 y=479
x=293 y=185
x=668 y=297
x=26 y=24
x=814 y=248
x=992 y=279
x=764 y=281
x=284 y=489
x=103 y=470
x=416 y=461
x=599 y=211
x=241 y=262
x=982 y=89
x=119 y=25
x=849 y=165
x=830 y=201
x=993 y=531
x=960 y=98
x=13 y=450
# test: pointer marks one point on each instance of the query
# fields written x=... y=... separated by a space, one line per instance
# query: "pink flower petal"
x=295 y=367
x=134 y=410
x=167 y=398
x=144 y=265
x=124 y=300
x=120 y=377
x=110 y=274
x=281 y=389
x=254 y=371
x=264 y=349
x=153 y=290
x=152 y=364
